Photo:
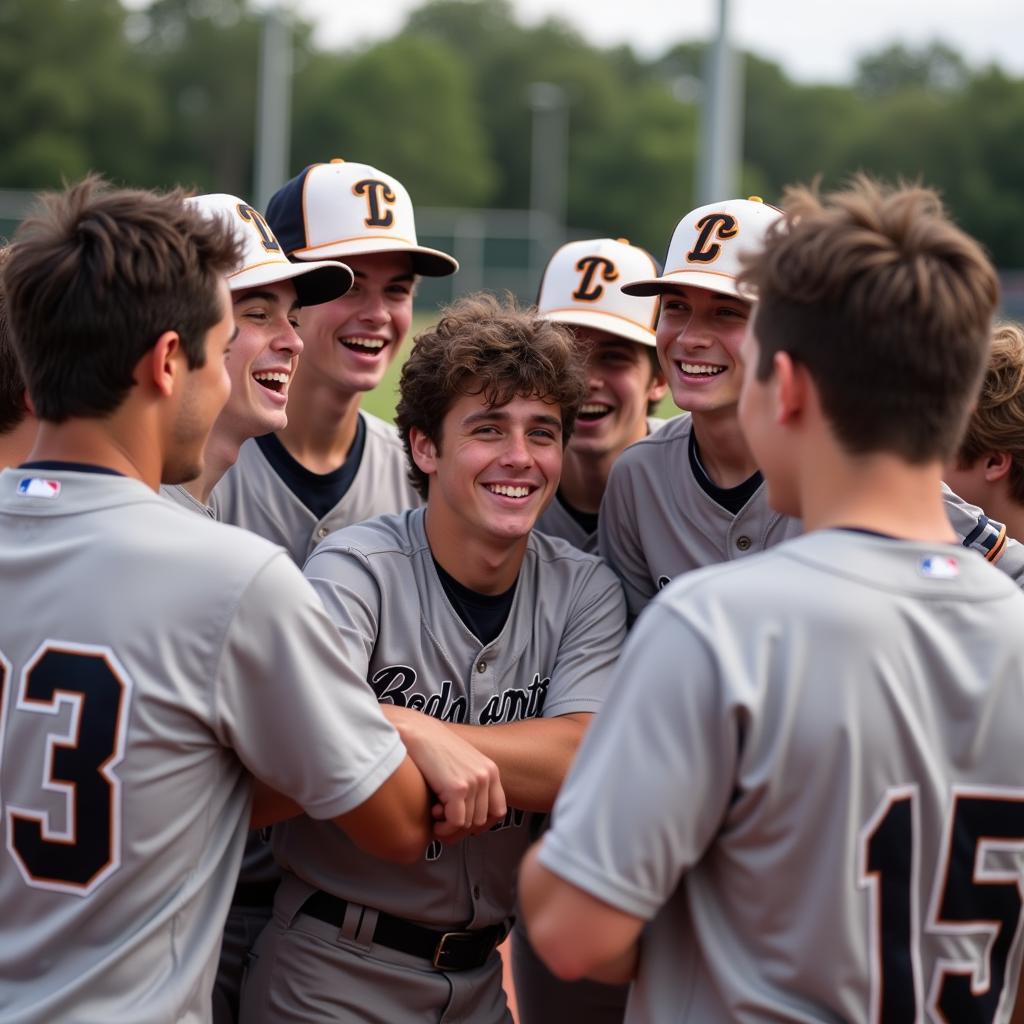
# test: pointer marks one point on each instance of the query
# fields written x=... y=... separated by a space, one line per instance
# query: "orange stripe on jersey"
x=996 y=551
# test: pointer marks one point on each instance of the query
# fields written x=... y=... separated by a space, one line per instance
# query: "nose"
x=287 y=340
x=516 y=452
x=374 y=309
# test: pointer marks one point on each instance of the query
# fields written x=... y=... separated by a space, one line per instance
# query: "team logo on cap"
x=711 y=226
x=379 y=196
x=590 y=290
x=254 y=217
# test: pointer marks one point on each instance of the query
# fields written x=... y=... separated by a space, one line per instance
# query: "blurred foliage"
x=167 y=94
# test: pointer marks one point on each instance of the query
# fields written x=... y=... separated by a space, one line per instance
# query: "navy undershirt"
x=732 y=499
x=319 y=492
x=484 y=615
x=55 y=466
x=587 y=520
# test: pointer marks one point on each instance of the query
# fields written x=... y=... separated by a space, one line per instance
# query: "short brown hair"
x=887 y=304
x=997 y=423
x=483 y=346
x=94 y=278
x=12 y=383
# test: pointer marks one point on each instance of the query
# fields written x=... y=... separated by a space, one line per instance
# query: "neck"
x=486 y=565
x=219 y=455
x=584 y=478
x=724 y=453
x=126 y=447
x=874 y=492
x=17 y=443
x=321 y=423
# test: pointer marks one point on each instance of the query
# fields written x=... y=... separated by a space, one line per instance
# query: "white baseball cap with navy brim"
x=264 y=260
x=581 y=287
x=707 y=246
x=342 y=209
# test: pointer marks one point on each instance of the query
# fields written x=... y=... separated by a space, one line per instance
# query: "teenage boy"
x=333 y=464
x=267 y=291
x=151 y=659
x=843 y=711
x=988 y=469
x=457 y=612
x=615 y=332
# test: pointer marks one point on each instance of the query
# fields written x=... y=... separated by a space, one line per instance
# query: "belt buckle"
x=442 y=949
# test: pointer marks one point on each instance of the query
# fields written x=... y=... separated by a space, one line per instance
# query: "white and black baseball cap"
x=581 y=287
x=344 y=209
x=264 y=260
x=707 y=245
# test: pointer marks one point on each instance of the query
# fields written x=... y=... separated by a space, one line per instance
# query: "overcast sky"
x=815 y=40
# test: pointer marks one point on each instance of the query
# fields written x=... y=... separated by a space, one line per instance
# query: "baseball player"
x=266 y=293
x=691 y=494
x=333 y=464
x=131 y=714
x=267 y=290
x=813 y=804
x=456 y=612
x=17 y=424
x=581 y=289
x=988 y=468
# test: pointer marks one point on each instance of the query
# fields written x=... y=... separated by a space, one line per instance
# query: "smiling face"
x=621 y=381
x=354 y=339
x=494 y=468
x=262 y=360
x=699 y=337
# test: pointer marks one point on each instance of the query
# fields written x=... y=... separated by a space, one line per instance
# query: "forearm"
x=532 y=755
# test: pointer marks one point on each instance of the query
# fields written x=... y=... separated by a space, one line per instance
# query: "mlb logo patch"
x=37 y=487
x=939 y=567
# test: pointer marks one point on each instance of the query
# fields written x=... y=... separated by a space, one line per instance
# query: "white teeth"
x=508 y=492
x=594 y=408
x=701 y=368
x=278 y=378
x=371 y=343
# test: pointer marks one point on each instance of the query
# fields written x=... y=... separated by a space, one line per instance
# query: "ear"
x=162 y=364
x=997 y=465
x=791 y=387
x=424 y=451
x=658 y=387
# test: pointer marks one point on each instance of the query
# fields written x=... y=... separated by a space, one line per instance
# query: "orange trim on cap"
x=264 y=263
x=361 y=238
x=692 y=270
x=598 y=312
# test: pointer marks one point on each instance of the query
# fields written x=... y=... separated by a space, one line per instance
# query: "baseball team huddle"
x=303 y=714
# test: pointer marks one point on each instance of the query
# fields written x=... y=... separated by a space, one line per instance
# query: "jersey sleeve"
x=589 y=648
x=652 y=781
x=297 y=713
x=984 y=535
x=618 y=540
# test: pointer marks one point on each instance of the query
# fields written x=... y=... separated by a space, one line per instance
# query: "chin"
x=182 y=472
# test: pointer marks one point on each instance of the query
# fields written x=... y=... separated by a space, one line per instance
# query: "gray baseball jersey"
x=823 y=816
x=557 y=521
x=149 y=658
x=553 y=657
x=657 y=522
x=253 y=496
x=984 y=535
x=180 y=496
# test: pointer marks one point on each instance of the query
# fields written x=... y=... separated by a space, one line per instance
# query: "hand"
x=467 y=784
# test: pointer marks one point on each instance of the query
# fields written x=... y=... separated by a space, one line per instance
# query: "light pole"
x=273 y=113
x=549 y=162
x=718 y=159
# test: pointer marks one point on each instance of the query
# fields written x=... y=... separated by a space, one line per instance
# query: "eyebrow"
x=545 y=419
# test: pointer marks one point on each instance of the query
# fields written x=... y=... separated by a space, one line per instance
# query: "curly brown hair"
x=887 y=304
x=997 y=424
x=483 y=346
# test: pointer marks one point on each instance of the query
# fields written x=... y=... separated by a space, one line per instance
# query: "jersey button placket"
x=743 y=543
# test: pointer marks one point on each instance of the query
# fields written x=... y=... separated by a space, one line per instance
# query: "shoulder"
x=660 y=445
x=398 y=533
x=557 y=559
x=378 y=432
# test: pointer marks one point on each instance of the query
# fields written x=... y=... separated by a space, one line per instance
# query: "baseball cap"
x=264 y=260
x=581 y=287
x=346 y=209
x=707 y=245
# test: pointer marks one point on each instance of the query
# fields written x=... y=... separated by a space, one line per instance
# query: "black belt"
x=447 y=951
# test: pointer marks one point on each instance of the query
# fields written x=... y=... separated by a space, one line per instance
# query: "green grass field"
x=382 y=401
